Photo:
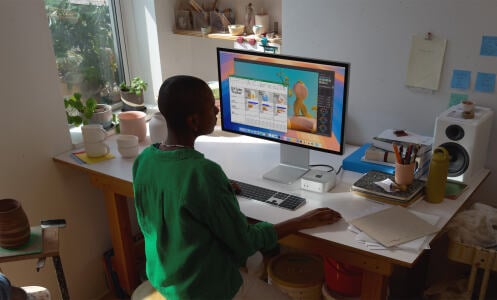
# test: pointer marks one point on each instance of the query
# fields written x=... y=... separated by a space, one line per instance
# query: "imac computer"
x=297 y=102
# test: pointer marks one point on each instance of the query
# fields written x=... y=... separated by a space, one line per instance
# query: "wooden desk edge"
x=103 y=181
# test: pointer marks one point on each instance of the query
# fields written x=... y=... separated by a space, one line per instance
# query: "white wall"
x=375 y=37
x=33 y=129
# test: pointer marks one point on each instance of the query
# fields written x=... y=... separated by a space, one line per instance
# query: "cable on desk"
x=331 y=168
x=320 y=165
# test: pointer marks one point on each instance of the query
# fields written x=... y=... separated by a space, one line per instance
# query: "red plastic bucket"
x=341 y=278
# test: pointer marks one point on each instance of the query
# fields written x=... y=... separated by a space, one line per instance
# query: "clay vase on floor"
x=14 y=224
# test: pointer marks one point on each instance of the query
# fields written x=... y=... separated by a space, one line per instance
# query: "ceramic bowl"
x=127 y=140
x=127 y=152
x=205 y=30
x=236 y=29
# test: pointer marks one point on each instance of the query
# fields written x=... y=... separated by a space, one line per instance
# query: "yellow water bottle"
x=437 y=175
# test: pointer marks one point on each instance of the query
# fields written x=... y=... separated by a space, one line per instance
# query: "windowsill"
x=77 y=136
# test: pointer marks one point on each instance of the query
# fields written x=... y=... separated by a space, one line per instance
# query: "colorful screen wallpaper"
x=302 y=100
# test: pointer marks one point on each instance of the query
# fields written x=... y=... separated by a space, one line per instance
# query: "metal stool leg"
x=60 y=277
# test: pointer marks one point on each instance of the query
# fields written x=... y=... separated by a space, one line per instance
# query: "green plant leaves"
x=137 y=86
x=77 y=111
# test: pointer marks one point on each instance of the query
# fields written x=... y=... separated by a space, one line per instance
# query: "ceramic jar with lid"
x=157 y=127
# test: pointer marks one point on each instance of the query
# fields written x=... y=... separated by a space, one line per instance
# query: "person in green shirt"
x=196 y=237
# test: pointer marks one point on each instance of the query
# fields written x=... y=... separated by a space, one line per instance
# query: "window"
x=87 y=49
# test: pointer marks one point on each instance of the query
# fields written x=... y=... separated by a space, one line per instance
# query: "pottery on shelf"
x=14 y=224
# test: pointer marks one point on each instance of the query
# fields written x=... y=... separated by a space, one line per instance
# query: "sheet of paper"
x=83 y=157
x=425 y=62
x=394 y=226
x=460 y=79
x=414 y=245
x=485 y=82
x=488 y=46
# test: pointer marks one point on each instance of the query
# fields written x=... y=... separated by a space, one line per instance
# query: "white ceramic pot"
x=157 y=127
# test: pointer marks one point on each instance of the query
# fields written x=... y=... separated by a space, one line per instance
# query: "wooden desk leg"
x=374 y=286
x=122 y=240
x=60 y=277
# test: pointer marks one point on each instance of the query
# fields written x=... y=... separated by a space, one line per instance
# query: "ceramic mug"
x=404 y=173
x=133 y=122
x=96 y=149
x=93 y=133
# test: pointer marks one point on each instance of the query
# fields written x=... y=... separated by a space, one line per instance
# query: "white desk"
x=246 y=159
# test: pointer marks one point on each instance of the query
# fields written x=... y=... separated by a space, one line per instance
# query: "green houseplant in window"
x=83 y=42
x=83 y=112
x=132 y=94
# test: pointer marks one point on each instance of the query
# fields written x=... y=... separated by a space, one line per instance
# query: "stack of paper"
x=395 y=228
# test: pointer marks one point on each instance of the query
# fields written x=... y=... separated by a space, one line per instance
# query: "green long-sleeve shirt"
x=196 y=238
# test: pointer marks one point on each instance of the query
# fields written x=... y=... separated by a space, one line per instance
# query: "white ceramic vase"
x=157 y=127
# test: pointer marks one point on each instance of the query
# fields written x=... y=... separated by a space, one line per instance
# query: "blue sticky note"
x=488 y=46
x=485 y=82
x=460 y=79
x=457 y=98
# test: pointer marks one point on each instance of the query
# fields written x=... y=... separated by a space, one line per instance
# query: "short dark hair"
x=179 y=97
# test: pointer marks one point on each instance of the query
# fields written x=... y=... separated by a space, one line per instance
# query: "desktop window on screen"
x=286 y=99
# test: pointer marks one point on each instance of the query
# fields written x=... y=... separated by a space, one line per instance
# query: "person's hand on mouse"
x=318 y=217
x=314 y=218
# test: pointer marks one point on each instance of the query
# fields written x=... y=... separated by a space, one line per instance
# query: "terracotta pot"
x=14 y=224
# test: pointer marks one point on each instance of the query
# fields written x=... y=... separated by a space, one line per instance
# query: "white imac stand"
x=294 y=163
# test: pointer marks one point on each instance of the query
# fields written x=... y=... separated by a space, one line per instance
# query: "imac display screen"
x=286 y=99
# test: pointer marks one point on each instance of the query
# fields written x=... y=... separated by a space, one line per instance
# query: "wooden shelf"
x=224 y=36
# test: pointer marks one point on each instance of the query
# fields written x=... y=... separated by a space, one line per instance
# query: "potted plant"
x=132 y=94
x=87 y=112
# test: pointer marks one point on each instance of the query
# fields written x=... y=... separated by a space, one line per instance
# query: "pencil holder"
x=404 y=173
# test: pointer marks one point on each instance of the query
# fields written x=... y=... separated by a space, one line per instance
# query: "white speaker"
x=466 y=140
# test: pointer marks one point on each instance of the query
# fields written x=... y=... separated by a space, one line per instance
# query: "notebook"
x=394 y=226
x=366 y=185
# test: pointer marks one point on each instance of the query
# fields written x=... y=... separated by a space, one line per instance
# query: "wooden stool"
x=145 y=291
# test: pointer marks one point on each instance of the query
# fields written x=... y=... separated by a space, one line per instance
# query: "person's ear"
x=193 y=122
